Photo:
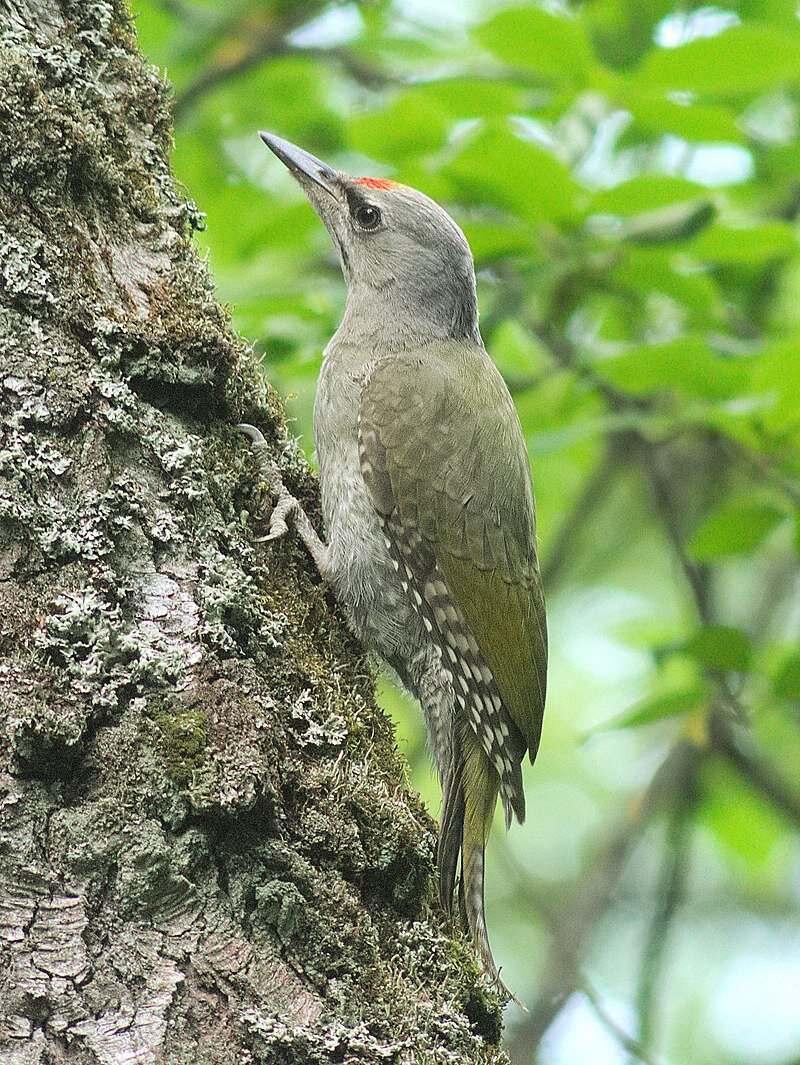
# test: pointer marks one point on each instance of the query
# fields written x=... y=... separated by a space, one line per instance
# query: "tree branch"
x=595 y=488
x=754 y=770
x=267 y=45
x=634 y=1046
x=697 y=576
x=667 y=896
x=274 y=43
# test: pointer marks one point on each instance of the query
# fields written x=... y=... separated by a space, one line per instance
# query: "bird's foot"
x=277 y=520
x=285 y=502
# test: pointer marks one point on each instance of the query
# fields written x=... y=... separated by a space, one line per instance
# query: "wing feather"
x=443 y=454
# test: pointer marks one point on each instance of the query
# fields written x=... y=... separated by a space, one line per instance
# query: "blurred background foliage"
x=628 y=174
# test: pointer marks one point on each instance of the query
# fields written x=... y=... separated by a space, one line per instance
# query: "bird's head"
x=395 y=244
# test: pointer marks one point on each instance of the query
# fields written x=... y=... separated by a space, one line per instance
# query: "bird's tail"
x=451 y=832
x=480 y=788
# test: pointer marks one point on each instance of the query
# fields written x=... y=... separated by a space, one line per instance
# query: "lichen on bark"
x=208 y=849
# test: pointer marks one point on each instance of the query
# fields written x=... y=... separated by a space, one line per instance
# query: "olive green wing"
x=444 y=459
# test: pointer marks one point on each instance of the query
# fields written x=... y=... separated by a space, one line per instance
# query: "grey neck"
x=394 y=317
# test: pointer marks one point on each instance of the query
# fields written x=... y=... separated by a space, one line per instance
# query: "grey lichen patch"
x=21 y=272
x=234 y=615
x=295 y=1044
x=206 y=835
x=85 y=638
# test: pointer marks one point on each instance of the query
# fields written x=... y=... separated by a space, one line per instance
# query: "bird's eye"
x=367 y=216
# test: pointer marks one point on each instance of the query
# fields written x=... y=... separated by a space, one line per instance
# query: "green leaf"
x=465 y=97
x=558 y=413
x=645 y=193
x=655 y=270
x=735 y=529
x=776 y=374
x=408 y=127
x=555 y=47
x=751 y=245
x=720 y=647
x=744 y=824
x=689 y=120
x=787 y=682
x=504 y=170
x=515 y=353
x=491 y=240
x=742 y=59
x=686 y=366
x=284 y=81
x=659 y=707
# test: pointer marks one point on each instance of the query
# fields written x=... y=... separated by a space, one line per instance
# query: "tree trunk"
x=208 y=851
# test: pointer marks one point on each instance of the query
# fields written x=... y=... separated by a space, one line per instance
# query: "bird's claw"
x=250 y=431
x=285 y=506
x=286 y=503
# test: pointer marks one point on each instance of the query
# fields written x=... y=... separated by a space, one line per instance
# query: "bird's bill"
x=302 y=164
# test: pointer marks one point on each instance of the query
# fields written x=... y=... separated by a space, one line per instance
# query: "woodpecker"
x=428 y=503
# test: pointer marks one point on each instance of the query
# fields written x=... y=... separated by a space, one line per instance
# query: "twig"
x=594 y=489
x=625 y=1040
x=758 y=466
x=697 y=576
x=761 y=777
x=668 y=895
x=586 y=905
x=268 y=45
x=271 y=44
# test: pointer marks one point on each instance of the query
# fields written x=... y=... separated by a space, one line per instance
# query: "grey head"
x=408 y=267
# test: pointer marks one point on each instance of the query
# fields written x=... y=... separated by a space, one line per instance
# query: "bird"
x=428 y=503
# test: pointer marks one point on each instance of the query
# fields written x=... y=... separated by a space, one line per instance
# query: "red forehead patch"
x=377 y=183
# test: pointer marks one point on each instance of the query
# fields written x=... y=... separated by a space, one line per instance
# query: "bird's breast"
x=362 y=572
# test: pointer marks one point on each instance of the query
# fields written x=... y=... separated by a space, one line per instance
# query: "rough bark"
x=208 y=851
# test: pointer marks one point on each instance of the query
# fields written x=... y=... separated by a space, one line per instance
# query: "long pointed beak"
x=301 y=164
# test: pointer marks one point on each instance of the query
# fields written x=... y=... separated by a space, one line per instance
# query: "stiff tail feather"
x=481 y=784
x=473 y=908
x=451 y=832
